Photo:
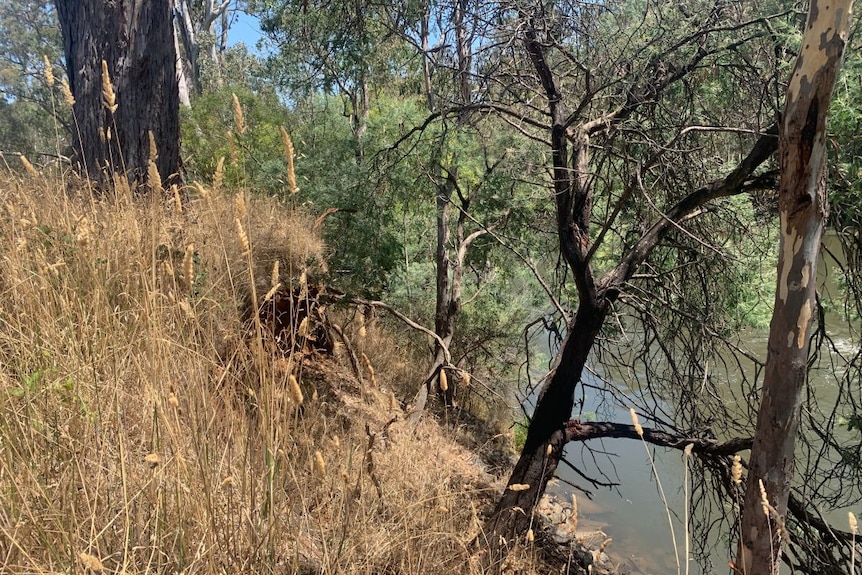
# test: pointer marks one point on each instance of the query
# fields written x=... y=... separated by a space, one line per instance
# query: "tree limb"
x=732 y=184
x=584 y=431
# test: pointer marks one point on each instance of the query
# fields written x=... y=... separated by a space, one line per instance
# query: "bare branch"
x=584 y=431
x=408 y=321
x=738 y=181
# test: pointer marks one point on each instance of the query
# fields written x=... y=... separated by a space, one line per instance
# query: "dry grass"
x=142 y=430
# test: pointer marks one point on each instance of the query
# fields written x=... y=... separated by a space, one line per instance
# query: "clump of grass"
x=141 y=432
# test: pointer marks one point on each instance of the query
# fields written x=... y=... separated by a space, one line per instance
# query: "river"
x=633 y=513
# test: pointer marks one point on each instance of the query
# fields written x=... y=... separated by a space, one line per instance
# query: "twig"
x=354 y=361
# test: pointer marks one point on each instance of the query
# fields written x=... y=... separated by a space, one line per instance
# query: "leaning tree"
x=634 y=122
x=609 y=131
x=122 y=73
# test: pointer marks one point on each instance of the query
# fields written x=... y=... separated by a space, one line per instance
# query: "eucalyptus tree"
x=803 y=208
x=122 y=73
x=334 y=47
x=200 y=29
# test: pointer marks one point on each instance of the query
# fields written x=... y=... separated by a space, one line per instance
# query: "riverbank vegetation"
x=577 y=198
x=145 y=430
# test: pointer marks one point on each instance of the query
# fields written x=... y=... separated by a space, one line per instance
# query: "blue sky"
x=245 y=29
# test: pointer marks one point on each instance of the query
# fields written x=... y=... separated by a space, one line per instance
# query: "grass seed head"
x=154 y=150
x=271 y=293
x=154 y=179
x=273 y=278
x=574 y=518
x=82 y=232
x=238 y=117
x=243 y=237
x=67 y=92
x=91 y=562
x=289 y=155
x=109 y=99
x=28 y=167
x=638 y=428
x=444 y=382
x=370 y=369
x=303 y=330
x=202 y=191
x=361 y=332
x=851 y=520
x=178 y=200
x=189 y=265
x=240 y=207
x=49 y=71
x=764 y=500
x=319 y=464
x=218 y=176
x=736 y=470
x=295 y=391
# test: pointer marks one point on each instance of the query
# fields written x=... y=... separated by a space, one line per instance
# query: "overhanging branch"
x=732 y=184
x=584 y=431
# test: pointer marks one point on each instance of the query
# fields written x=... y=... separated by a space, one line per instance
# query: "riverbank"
x=149 y=425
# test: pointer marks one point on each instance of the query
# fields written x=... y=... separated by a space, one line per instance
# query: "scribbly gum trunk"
x=803 y=209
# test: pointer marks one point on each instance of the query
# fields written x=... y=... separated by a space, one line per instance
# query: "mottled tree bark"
x=803 y=209
x=135 y=39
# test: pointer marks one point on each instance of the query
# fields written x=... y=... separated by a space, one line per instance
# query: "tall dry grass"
x=144 y=428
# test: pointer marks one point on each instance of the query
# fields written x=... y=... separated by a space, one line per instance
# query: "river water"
x=633 y=514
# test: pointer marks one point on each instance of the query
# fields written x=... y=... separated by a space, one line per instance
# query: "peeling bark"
x=803 y=209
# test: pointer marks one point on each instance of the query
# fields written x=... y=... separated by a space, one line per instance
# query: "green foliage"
x=330 y=47
x=34 y=119
x=845 y=130
x=254 y=158
x=850 y=422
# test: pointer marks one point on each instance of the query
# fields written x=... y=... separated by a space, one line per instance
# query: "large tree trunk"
x=803 y=208
x=135 y=39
